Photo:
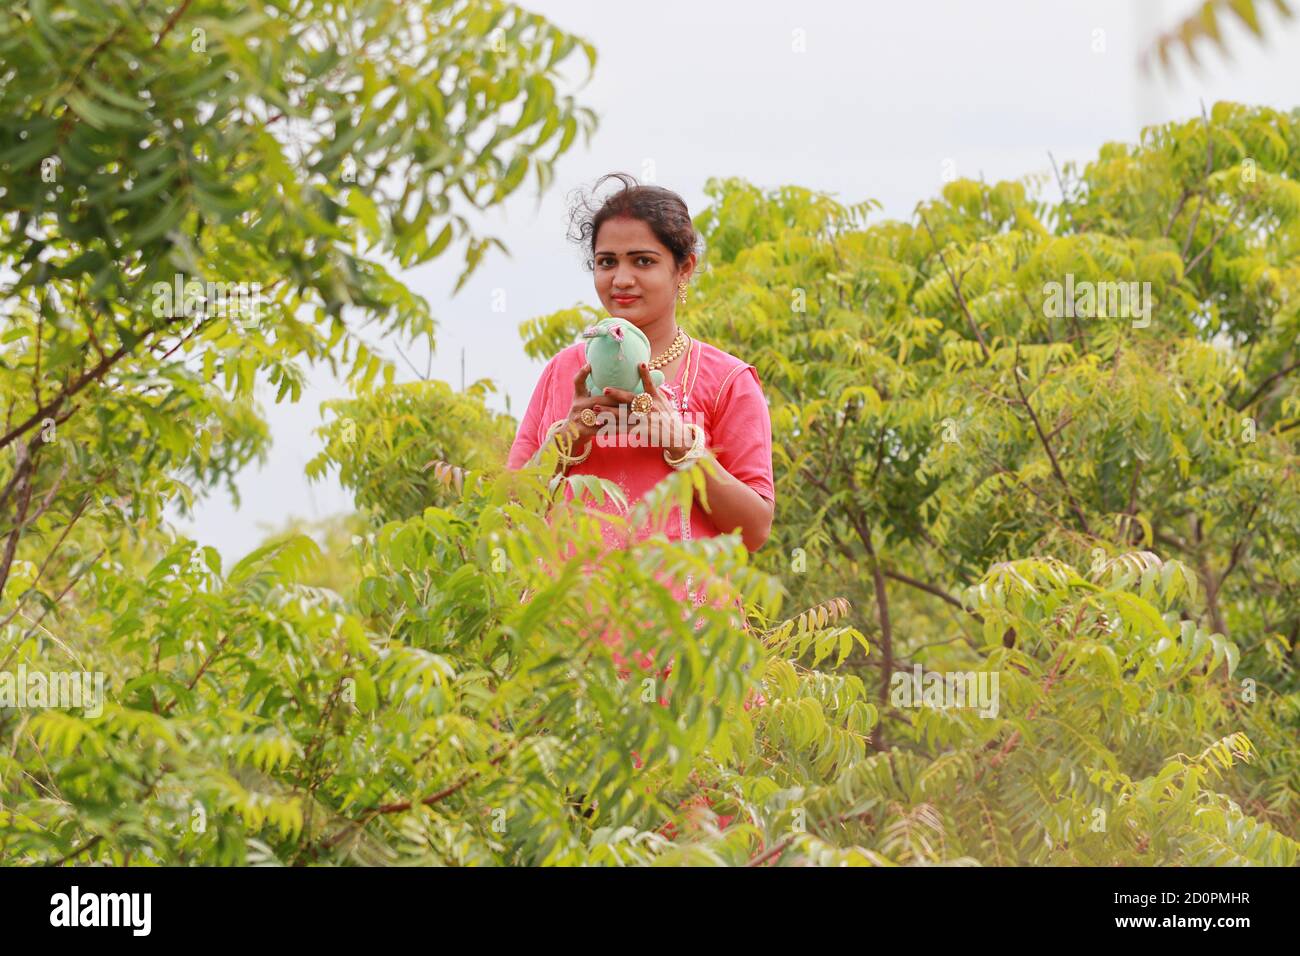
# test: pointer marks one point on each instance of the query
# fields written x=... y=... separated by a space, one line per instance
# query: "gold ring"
x=588 y=417
x=641 y=404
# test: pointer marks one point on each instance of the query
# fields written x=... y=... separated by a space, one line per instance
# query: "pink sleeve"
x=741 y=436
x=532 y=429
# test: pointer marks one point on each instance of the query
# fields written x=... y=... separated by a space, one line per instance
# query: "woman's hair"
x=661 y=209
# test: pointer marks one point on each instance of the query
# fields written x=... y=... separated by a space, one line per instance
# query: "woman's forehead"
x=625 y=236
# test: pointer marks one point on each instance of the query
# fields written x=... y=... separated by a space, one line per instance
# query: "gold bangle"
x=695 y=451
x=565 y=458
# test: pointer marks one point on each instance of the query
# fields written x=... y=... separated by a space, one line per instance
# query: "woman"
x=640 y=245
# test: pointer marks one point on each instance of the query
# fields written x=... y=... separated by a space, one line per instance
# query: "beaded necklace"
x=674 y=349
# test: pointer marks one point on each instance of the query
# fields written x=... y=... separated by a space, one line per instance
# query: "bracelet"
x=696 y=450
x=565 y=458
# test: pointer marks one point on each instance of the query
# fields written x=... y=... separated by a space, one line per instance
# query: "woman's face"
x=636 y=277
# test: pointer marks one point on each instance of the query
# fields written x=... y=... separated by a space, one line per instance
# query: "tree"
x=187 y=193
x=940 y=427
x=980 y=490
x=197 y=196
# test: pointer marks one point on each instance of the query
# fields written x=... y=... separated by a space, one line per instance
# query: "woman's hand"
x=732 y=504
x=580 y=433
x=663 y=419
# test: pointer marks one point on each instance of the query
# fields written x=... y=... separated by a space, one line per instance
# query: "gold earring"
x=681 y=290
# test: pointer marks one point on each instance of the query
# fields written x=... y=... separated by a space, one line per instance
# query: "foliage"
x=186 y=191
x=1099 y=513
x=933 y=418
x=394 y=448
x=1203 y=24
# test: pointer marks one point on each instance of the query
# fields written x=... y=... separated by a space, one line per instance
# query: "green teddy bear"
x=615 y=349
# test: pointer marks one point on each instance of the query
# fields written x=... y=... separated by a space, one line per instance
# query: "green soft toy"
x=615 y=349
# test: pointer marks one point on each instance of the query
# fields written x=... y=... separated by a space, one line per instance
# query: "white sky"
x=885 y=93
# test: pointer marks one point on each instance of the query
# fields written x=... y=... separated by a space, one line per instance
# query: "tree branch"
x=928 y=588
x=1214 y=240
x=67 y=392
x=46 y=563
x=1264 y=385
x=1209 y=165
x=171 y=22
x=1047 y=446
x=24 y=500
x=956 y=287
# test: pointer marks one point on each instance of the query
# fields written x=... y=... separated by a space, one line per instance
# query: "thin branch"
x=882 y=608
x=780 y=847
x=1131 y=510
x=49 y=495
x=1215 y=588
x=956 y=286
x=408 y=362
x=1052 y=678
x=1182 y=201
x=62 y=594
x=78 y=851
x=1264 y=385
x=925 y=586
x=1047 y=446
x=46 y=563
x=24 y=500
x=1065 y=199
x=1209 y=165
x=201 y=671
x=24 y=463
x=171 y=22
x=404 y=805
x=1059 y=428
x=67 y=392
x=40 y=333
x=1214 y=240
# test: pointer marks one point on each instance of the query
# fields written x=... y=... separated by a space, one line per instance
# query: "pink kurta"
x=722 y=394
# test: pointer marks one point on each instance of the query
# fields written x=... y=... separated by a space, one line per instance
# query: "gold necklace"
x=686 y=374
x=670 y=353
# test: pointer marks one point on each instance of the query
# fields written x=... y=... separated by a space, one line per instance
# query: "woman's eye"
x=641 y=260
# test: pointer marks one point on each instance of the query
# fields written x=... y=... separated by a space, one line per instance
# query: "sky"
x=871 y=100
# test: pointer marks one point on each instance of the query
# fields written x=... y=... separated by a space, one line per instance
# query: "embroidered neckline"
x=690 y=366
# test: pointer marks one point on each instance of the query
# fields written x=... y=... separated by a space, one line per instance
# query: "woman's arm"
x=528 y=438
x=741 y=494
x=733 y=504
x=743 y=459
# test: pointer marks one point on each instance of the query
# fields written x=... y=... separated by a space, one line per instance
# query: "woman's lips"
x=624 y=299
